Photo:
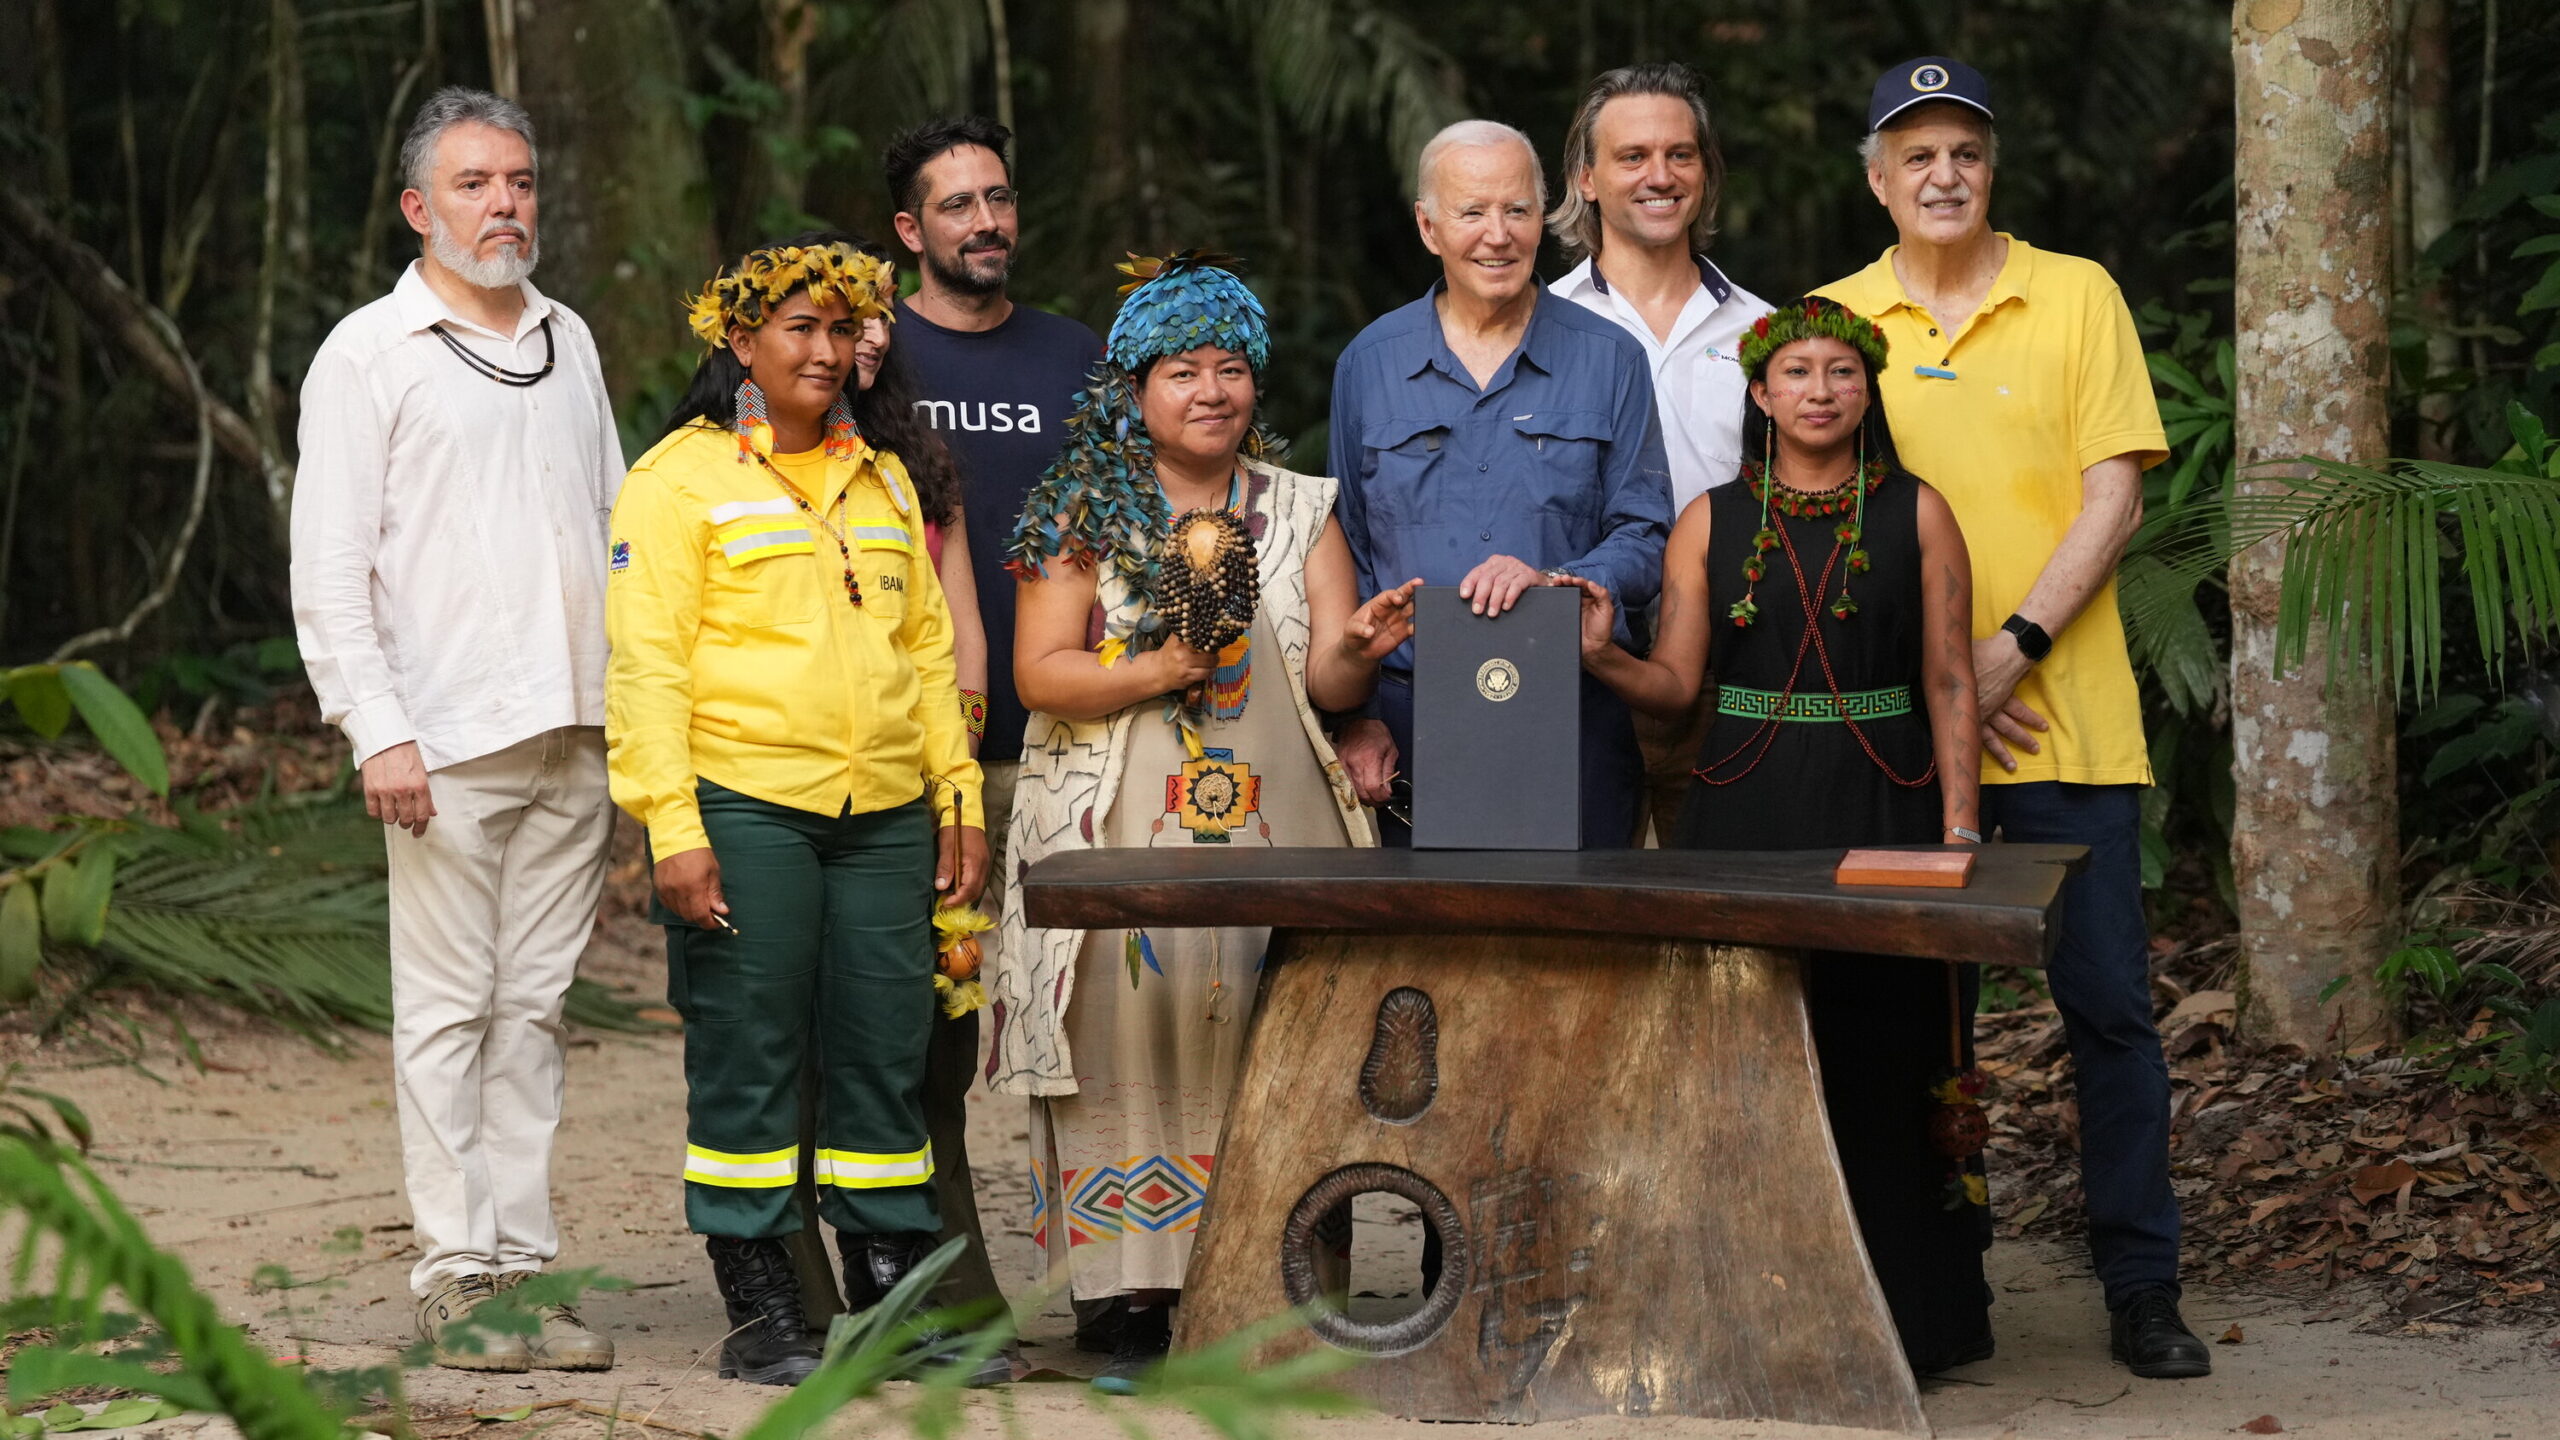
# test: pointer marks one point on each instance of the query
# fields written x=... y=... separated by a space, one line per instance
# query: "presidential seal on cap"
x=1917 y=82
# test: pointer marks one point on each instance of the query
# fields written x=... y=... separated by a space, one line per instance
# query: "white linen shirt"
x=449 y=531
x=1697 y=376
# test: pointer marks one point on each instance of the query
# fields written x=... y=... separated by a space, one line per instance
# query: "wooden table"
x=1592 y=1074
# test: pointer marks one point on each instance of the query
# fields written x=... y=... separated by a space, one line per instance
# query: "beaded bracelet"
x=973 y=708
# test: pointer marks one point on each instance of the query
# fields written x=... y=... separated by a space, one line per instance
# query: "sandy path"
x=278 y=1151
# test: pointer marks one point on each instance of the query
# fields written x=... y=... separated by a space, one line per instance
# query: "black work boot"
x=1146 y=1337
x=873 y=1266
x=769 y=1341
x=2152 y=1340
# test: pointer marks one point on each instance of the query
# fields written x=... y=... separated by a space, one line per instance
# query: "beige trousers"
x=489 y=911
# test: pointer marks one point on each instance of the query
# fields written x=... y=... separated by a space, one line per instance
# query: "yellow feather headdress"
x=830 y=272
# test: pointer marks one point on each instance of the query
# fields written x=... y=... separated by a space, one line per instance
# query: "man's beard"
x=497 y=274
x=955 y=273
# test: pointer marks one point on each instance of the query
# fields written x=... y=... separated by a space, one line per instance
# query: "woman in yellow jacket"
x=781 y=713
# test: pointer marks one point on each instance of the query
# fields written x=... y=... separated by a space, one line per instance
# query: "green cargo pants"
x=833 y=960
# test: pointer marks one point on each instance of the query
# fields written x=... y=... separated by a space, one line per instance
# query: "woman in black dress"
x=1829 y=594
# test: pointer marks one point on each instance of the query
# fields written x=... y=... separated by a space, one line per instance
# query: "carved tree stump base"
x=1622 y=1145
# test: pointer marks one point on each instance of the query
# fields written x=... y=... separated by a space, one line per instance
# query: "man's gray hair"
x=1871 y=149
x=1575 y=222
x=1472 y=135
x=455 y=105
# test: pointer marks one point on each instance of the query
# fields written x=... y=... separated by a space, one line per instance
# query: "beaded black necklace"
x=518 y=379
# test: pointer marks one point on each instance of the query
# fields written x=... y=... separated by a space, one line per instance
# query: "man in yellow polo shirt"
x=2018 y=389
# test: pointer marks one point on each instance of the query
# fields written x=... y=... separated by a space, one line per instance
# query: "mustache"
x=985 y=241
x=502 y=227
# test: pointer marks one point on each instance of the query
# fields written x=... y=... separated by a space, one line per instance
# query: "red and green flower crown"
x=1806 y=319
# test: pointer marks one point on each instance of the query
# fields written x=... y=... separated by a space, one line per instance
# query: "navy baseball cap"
x=1917 y=82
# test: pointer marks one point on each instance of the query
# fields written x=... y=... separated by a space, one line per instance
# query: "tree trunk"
x=626 y=204
x=2315 y=840
x=1102 y=38
x=506 y=68
x=778 y=182
x=284 y=94
x=2431 y=172
x=1000 y=61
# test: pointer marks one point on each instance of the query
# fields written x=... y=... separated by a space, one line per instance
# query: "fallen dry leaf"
x=2215 y=1006
x=2542 y=1143
x=2273 y=1203
x=2264 y=1425
x=2374 y=1181
x=2232 y=1336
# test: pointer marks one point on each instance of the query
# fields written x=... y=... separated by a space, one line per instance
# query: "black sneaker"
x=769 y=1341
x=1146 y=1336
x=2149 y=1338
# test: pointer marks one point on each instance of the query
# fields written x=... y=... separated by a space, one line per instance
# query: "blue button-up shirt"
x=1557 y=462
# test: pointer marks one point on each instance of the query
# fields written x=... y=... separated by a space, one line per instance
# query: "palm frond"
x=1337 y=63
x=2364 y=551
x=279 y=908
x=930 y=51
x=2172 y=643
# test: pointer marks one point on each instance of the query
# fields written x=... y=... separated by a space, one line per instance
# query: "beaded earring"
x=842 y=432
x=1746 y=609
x=754 y=428
x=1850 y=531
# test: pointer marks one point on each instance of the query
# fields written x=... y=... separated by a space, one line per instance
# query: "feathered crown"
x=1183 y=302
x=1098 y=502
x=1806 y=319
x=766 y=277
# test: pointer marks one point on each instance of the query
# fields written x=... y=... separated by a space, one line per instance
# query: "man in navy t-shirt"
x=998 y=381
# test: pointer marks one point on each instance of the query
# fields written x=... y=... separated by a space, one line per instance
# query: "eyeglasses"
x=999 y=198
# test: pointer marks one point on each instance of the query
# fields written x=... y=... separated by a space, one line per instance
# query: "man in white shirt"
x=459 y=461
x=1642 y=177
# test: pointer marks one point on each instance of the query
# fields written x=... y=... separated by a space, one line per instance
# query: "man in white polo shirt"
x=449 y=530
x=1642 y=177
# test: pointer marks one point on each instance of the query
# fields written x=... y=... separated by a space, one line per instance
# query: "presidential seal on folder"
x=1497 y=722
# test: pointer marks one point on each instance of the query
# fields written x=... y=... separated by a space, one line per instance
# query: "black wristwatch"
x=2032 y=641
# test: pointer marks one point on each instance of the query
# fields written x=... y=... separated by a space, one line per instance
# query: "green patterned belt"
x=1855 y=705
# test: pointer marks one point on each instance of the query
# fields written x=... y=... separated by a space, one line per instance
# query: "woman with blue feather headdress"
x=1186 y=607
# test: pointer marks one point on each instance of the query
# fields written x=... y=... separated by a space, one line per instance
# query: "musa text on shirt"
x=980 y=415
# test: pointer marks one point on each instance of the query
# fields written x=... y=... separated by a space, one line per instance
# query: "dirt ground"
x=274 y=1151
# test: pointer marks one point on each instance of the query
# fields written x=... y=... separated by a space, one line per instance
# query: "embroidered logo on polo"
x=1929 y=77
x=621 y=559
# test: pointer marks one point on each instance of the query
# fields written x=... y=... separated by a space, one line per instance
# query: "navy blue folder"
x=1497 y=722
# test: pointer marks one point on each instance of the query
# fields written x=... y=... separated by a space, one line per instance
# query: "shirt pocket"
x=1561 y=475
x=884 y=563
x=765 y=575
x=1404 y=455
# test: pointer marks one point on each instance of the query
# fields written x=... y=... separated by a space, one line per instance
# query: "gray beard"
x=500 y=274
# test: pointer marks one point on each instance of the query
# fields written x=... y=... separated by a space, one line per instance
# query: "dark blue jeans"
x=2101 y=979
